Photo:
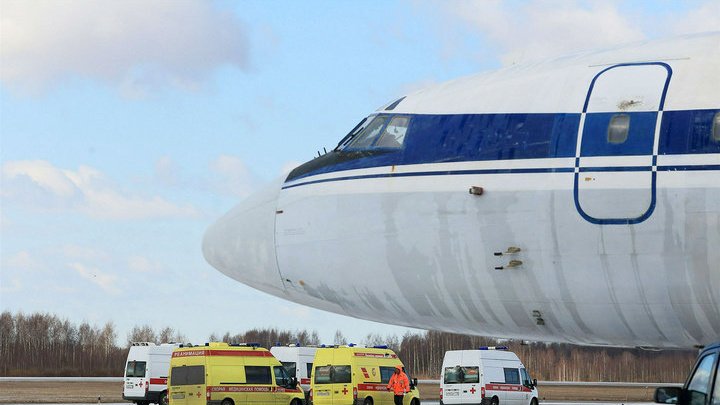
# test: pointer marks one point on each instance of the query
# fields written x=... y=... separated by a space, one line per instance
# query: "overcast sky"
x=127 y=127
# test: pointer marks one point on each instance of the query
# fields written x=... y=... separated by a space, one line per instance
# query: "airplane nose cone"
x=241 y=244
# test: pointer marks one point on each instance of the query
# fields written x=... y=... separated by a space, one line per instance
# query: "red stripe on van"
x=372 y=387
x=241 y=353
x=507 y=387
x=158 y=381
x=376 y=355
x=250 y=388
x=304 y=381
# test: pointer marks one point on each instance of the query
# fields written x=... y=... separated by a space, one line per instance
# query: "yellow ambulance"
x=222 y=374
x=356 y=375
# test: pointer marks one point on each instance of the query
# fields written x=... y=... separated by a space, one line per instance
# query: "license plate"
x=178 y=395
x=129 y=385
x=452 y=393
x=323 y=393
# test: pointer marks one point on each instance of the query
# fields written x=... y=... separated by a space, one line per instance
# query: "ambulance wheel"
x=534 y=401
x=163 y=399
x=494 y=401
x=414 y=402
x=368 y=401
x=227 y=401
x=296 y=402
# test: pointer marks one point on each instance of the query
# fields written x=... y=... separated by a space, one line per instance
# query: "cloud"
x=143 y=265
x=38 y=184
x=525 y=31
x=22 y=260
x=702 y=19
x=107 y=282
x=233 y=177
x=133 y=44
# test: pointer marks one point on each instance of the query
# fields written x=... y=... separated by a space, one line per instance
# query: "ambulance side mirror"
x=293 y=382
x=413 y=383
x=534 y=382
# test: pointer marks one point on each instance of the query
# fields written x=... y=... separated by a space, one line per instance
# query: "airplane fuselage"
x=571 y=200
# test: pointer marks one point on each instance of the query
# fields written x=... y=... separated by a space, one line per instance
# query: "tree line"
x=42 y=344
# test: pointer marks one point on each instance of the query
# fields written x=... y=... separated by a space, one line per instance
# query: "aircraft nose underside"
x=241 y=244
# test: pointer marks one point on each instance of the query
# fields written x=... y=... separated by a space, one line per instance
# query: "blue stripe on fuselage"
x=486 y=137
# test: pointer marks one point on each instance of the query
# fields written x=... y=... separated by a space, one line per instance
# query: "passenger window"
x=257 y=375
x=309 y=370
x=618 y=129
x=290 y=368
x=716 y=128
x=281 y=377
x=525 y=377
x=368 y=135
x=699 y=385
x=512 y=376
x=394 y=134
x=386 y=373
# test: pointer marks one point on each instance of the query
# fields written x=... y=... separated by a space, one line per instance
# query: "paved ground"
x=33 y=392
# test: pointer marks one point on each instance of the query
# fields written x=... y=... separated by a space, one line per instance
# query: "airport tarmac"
x=423 y=402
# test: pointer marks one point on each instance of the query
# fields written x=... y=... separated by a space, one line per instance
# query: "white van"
x=146 y=372
x=489 y=375
x=298 y=362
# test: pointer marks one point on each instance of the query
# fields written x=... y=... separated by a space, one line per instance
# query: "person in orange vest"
x=399 y=385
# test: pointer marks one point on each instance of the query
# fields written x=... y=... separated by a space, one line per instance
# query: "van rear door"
x=135 y=379
x=187 y=385
x=470 y=389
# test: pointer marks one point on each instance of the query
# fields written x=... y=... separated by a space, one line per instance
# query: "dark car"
x=703 y=385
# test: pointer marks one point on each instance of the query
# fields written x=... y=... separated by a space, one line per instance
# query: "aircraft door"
x=616 y=156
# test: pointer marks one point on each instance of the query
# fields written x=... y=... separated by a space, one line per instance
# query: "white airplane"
x=573 y=200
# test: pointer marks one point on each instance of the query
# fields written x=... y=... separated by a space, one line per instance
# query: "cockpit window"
x=394 y=134
x=383 y=132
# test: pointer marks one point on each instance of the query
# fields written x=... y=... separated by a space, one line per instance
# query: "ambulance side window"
x=309 y=370
x=257 y=375
x=386 y=373
x=281 y=377
x=512 y=376
x=290 y=368
x=525 y=377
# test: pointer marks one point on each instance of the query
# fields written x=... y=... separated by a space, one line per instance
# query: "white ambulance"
x=487 y=376
x=146 y=372
x=298 y=362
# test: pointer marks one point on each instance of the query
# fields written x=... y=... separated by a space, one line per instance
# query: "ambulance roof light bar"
x=493 y=348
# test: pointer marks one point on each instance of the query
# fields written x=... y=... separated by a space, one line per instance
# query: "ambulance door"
x=259 y=384
x=526 y=386
x=187 y=385
x=283 y=392
x=322 y=385
x=495 y=381
x=135 y=373
x=513 y=388
x=470 y=392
